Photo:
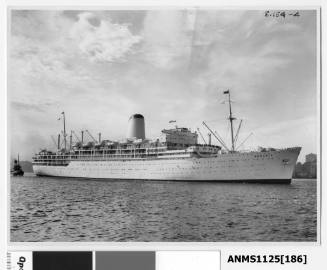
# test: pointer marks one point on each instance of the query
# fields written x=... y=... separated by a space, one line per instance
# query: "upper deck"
x=178 y=143
x=128 y=153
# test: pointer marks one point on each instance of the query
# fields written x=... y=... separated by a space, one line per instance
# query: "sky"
x=100 y=67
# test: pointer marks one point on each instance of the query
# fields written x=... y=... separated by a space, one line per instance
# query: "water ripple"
x=52 y=209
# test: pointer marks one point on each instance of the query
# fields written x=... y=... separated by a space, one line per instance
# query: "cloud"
x=250 y=54
x=106 y=42
x=167 y=38
x=21 y=106
x=101 y=66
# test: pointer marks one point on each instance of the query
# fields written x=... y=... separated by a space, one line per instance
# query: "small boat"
x=17 y=169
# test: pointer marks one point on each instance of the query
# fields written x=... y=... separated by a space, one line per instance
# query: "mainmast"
x=231 y=118
x=65 y=141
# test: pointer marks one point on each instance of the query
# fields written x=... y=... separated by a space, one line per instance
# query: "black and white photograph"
x=163 y=125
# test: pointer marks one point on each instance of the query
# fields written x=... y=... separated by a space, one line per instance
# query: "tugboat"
x=17 y=169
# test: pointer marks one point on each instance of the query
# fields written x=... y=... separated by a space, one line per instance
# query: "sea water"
x=60 y=209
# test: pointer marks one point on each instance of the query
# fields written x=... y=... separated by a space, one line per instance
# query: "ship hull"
x=263 y=167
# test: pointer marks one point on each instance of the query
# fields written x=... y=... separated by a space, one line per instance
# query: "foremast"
x=231 y=119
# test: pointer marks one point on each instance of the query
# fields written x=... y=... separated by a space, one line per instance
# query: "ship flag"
x=60 y=117
x=172 y=121
x=226 y=92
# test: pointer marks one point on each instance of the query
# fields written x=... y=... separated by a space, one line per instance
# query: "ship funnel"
x=136 y=128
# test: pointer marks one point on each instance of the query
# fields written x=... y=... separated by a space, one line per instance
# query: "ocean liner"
x=178 y=156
